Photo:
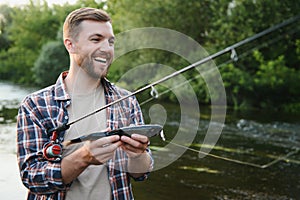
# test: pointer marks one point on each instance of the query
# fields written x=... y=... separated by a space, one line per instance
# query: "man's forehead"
x=96 y=27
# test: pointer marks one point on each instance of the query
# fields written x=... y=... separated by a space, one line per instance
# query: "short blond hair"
x=71 y=26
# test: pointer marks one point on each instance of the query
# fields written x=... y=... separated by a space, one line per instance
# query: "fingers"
x=103 y=149
x=135 y=140
x=141 y=138
x=105 y=141
x=135 y=145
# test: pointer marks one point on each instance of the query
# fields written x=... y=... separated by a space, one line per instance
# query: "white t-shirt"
x=93 y=182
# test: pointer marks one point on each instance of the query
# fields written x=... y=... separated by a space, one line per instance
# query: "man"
x=99 y=169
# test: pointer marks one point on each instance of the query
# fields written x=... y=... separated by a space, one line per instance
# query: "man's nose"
x=105 y=46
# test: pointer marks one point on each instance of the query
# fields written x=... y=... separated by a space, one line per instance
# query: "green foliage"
x=217 y=24
x=5 y=20
x=298 y=49
x=14 y=64
x=30 y=45
x=275 y=84
x=31 y=27
x=8 y=114
x=291 y=107
x=236 y=20
x=238 y=84
x=51 y=62
x=189 y=17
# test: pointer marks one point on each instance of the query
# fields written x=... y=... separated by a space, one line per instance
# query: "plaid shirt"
x=46 y=109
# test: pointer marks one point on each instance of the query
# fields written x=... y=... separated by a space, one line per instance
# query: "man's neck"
x=79 y=83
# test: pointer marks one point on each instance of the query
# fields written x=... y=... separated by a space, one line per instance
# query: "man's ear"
x=70 y=45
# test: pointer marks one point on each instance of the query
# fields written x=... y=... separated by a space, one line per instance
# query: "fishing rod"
x=187 y=68
x=53 y=132
x=155 y=95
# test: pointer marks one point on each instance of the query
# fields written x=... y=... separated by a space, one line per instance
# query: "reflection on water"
x=10 y=98
x=11 y=92
x=256 y=138
x=7 y=138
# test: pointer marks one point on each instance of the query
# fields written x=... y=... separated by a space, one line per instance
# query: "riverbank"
x=11 y=187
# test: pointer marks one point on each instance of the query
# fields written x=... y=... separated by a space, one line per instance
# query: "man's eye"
x=95 y=39
x=111 y=42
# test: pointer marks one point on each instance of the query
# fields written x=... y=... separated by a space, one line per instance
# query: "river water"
x=255 y=137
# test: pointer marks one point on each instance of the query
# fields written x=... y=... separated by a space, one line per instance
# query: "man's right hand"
x=101 y=150
x=91 y=153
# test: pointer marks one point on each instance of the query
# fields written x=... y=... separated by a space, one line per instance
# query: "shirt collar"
x=60 y=88
x=107 y=85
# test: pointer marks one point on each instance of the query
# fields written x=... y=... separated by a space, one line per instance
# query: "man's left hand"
x=135 y=145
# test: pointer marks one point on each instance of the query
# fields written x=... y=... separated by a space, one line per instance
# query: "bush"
x=276 y=85
x=51 y=62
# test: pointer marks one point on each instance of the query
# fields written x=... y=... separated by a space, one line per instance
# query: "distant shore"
x=11 y=187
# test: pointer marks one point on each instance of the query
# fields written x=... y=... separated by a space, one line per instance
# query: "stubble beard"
x=89 y=67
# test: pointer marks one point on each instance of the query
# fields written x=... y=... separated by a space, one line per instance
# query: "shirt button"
x=66 y=117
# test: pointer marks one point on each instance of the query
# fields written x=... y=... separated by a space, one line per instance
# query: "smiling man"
x=99 y=169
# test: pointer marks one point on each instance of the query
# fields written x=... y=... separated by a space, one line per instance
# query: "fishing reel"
x=52 y=150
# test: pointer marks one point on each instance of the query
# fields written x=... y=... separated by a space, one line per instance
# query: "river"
x=255 y=137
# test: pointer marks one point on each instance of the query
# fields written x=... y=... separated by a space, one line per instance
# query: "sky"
x=22 y=2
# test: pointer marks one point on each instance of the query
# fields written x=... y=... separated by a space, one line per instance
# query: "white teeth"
x=99 y=59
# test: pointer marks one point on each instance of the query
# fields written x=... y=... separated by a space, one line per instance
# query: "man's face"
x=95 y=48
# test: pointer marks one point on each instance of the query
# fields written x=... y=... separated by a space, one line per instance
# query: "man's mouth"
x=101 y=60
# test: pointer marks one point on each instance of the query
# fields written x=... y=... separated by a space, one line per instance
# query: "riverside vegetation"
x=266 y=75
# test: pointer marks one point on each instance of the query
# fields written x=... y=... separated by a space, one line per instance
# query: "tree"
x=32 y=26
x=239 y=19
x=5 y=21
x=51 y=62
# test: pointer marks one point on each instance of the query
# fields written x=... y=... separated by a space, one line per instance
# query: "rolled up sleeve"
x=39 y=175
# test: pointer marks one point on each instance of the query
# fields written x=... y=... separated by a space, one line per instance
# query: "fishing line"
x=276 y=160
